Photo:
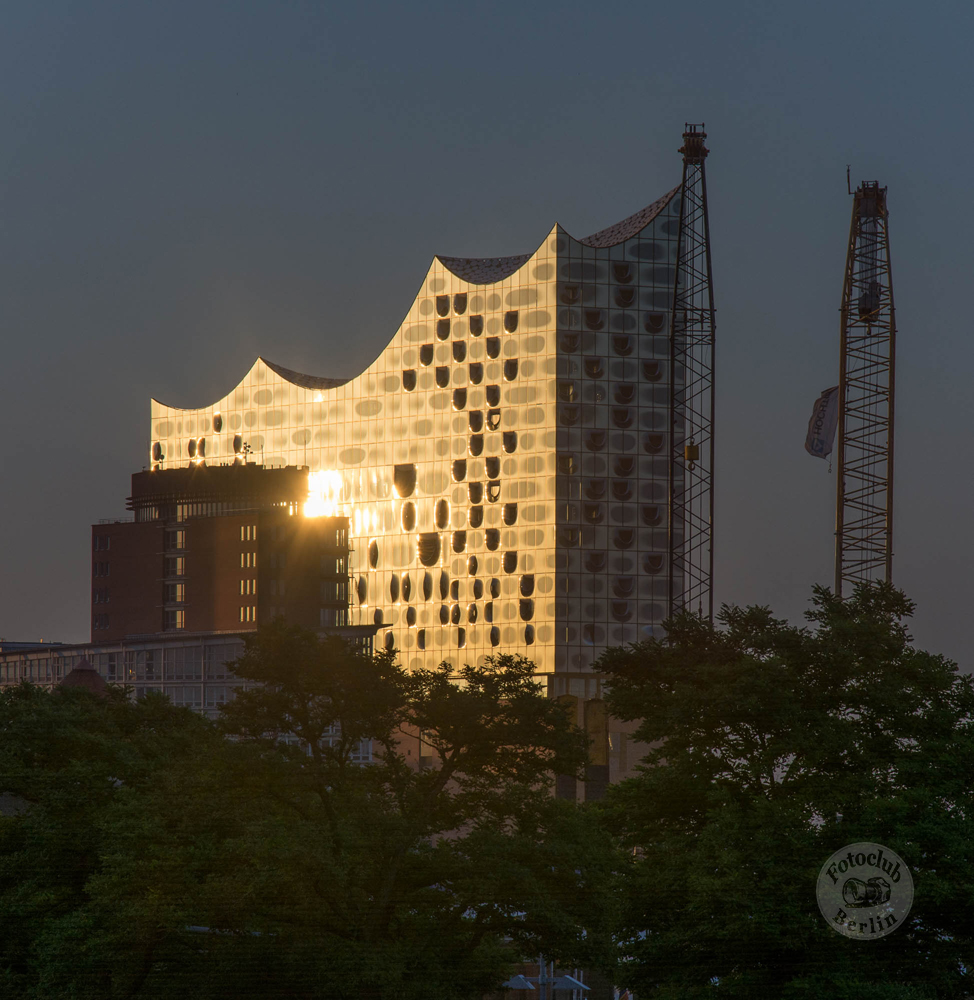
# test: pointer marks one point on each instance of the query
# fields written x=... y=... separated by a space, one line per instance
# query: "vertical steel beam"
x=691 y=381
x=864 y=487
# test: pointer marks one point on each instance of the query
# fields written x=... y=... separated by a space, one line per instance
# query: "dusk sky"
x=184 y=186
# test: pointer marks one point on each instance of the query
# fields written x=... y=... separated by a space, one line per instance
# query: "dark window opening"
x=442 y=513
x=442 y=377
x=426 y=355
x=409 y=379
x=428 y=548
x=442 y=329
x=510 y=321
x=404 y=479
x=493 y=347
x=622 y=345
x=408 y=516
x=442 y=305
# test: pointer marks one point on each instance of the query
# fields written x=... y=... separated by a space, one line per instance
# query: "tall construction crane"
x=864 y=490
x=691 y=464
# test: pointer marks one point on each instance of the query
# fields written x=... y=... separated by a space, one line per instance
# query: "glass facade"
x=504 y=461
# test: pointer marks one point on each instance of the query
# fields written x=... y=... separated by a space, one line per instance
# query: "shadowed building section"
x=218 y=549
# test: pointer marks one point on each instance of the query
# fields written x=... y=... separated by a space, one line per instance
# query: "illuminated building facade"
x=506 y=463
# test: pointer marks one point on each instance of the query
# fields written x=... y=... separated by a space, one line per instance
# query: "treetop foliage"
x=771 y=746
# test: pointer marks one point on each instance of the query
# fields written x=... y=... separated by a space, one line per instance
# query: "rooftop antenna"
x=864 y=497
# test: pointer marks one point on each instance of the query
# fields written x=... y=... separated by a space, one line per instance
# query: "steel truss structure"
x=691 y=466
x=864 y=500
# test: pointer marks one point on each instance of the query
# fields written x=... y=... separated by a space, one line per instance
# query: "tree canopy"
x=347 y=829
x=772 y=747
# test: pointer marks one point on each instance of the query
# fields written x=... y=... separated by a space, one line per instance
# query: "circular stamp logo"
x=864 y=891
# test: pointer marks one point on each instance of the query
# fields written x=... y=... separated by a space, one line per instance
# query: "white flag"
x=821 y=428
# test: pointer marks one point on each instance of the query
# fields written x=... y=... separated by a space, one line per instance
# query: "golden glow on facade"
x=504 y=460
x=324 y=494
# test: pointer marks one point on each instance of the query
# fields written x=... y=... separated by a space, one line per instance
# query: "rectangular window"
x=333 y=616
x=175 y=566
x=174 y=593
x=175 y=538
x=173 y=620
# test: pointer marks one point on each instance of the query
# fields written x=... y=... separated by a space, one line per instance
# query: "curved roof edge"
x=488 y=270
x=630 y=226
x=288 y=374
x=484 y=270
x=302 y=380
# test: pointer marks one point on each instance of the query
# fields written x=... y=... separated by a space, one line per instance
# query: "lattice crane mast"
x=864 y=497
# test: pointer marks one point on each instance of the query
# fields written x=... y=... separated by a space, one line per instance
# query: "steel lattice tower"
x=864 y=502
x=692 y=388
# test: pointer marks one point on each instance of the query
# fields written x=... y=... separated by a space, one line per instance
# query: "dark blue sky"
x=186 y=185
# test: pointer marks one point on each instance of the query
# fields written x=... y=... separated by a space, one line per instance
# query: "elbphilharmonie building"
x=526 y=466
